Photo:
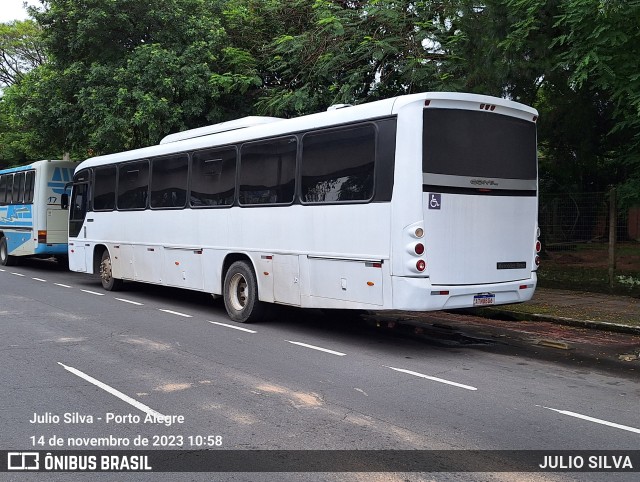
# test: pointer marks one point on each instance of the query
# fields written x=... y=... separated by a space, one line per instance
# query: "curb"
x=561 y=320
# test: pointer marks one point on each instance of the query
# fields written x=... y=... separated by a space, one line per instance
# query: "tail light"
x=42 y=236
x=421 y=265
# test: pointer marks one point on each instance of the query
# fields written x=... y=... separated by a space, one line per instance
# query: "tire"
x=109 y=283
x=241 y=294
x=5 y=259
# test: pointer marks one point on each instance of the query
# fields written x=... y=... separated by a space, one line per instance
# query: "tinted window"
x=169 y=181
x=104 y=189
x=213 y=177
x=338 y=165
x=3 y=189
x=29 y=186
x=133 y=185
x=267 y=171
x=478 y=144
x=18 y=188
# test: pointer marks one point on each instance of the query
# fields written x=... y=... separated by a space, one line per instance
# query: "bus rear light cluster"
x=42 y=236
x=415 y=248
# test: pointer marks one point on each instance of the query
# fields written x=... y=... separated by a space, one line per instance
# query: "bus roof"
x=34 y=165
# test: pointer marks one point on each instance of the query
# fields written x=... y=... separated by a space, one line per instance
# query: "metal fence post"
x=613 y=217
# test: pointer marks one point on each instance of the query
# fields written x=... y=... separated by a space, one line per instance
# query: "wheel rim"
x=105 y=270
x=238 y=292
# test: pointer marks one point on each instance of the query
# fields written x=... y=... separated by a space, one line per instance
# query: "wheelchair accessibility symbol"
x=435 y=200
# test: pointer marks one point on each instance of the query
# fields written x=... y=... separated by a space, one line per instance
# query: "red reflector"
x=266 y=257
x=419 y=248
x=538 y=246
x=421 y=265
x=439 y=293
x=376 y=265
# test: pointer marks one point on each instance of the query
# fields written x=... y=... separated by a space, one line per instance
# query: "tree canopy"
x=98 y=76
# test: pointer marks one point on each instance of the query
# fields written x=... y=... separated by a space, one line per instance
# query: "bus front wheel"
x=5 y=259
x=241 y=294
x=109 y=283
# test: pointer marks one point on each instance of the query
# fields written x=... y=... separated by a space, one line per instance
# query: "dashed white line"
x=112 y=391
x=231 y=326
x=313 y=347
x=40 y=279
x=93 y=292
x=3 y=270
x=17 y=274
x=435 y=379
x=131 y=302
x=176 y=313
x=60 y=284
x=595 y=420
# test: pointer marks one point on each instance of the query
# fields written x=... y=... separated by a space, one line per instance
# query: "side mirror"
x=64 y=201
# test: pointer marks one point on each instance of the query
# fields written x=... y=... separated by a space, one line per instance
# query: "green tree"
x=123 y=74
x=601 y=43
x=21 y=50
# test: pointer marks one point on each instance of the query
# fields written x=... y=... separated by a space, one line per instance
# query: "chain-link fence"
x=589 y=241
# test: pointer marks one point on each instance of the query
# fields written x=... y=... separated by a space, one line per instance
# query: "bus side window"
x=169 y=181
x=338 y=165
x=18 y=188
x=133 y=185
x=3 y=190
x=267 y=171
x=104 y=189
x=213 y=177
x=29 y=185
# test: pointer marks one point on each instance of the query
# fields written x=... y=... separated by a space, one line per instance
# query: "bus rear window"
x=470 y=143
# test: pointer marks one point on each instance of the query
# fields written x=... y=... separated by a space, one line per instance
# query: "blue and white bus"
x=419 y=202
x=32 y=222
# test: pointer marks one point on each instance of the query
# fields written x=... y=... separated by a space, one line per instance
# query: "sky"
x=13 y=9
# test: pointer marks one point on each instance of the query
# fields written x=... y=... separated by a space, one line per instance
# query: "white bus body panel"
x=330 y=256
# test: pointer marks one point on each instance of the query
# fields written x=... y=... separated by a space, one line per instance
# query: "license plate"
x=484 y=299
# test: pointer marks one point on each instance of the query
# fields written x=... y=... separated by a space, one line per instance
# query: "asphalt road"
x=299 y=381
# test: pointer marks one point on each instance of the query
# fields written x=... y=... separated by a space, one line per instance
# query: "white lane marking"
x=3 y=270
x=40 y=279
x=60 y=284
x=93 y=292
x=231 y=326
x=595 y=420
x=435 y=379
x=129 y=301
x=176 y=313
x=112 y=391
x=17 y=274
x=313 y=347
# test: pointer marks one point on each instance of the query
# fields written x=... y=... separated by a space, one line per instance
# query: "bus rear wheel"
x=241 y=294
x=109 y=283
x=5 y=259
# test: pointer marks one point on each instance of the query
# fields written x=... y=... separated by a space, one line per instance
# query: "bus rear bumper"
x=418 y=294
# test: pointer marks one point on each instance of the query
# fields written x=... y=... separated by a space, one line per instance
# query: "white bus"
x=418 y=202
x=32 y=222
